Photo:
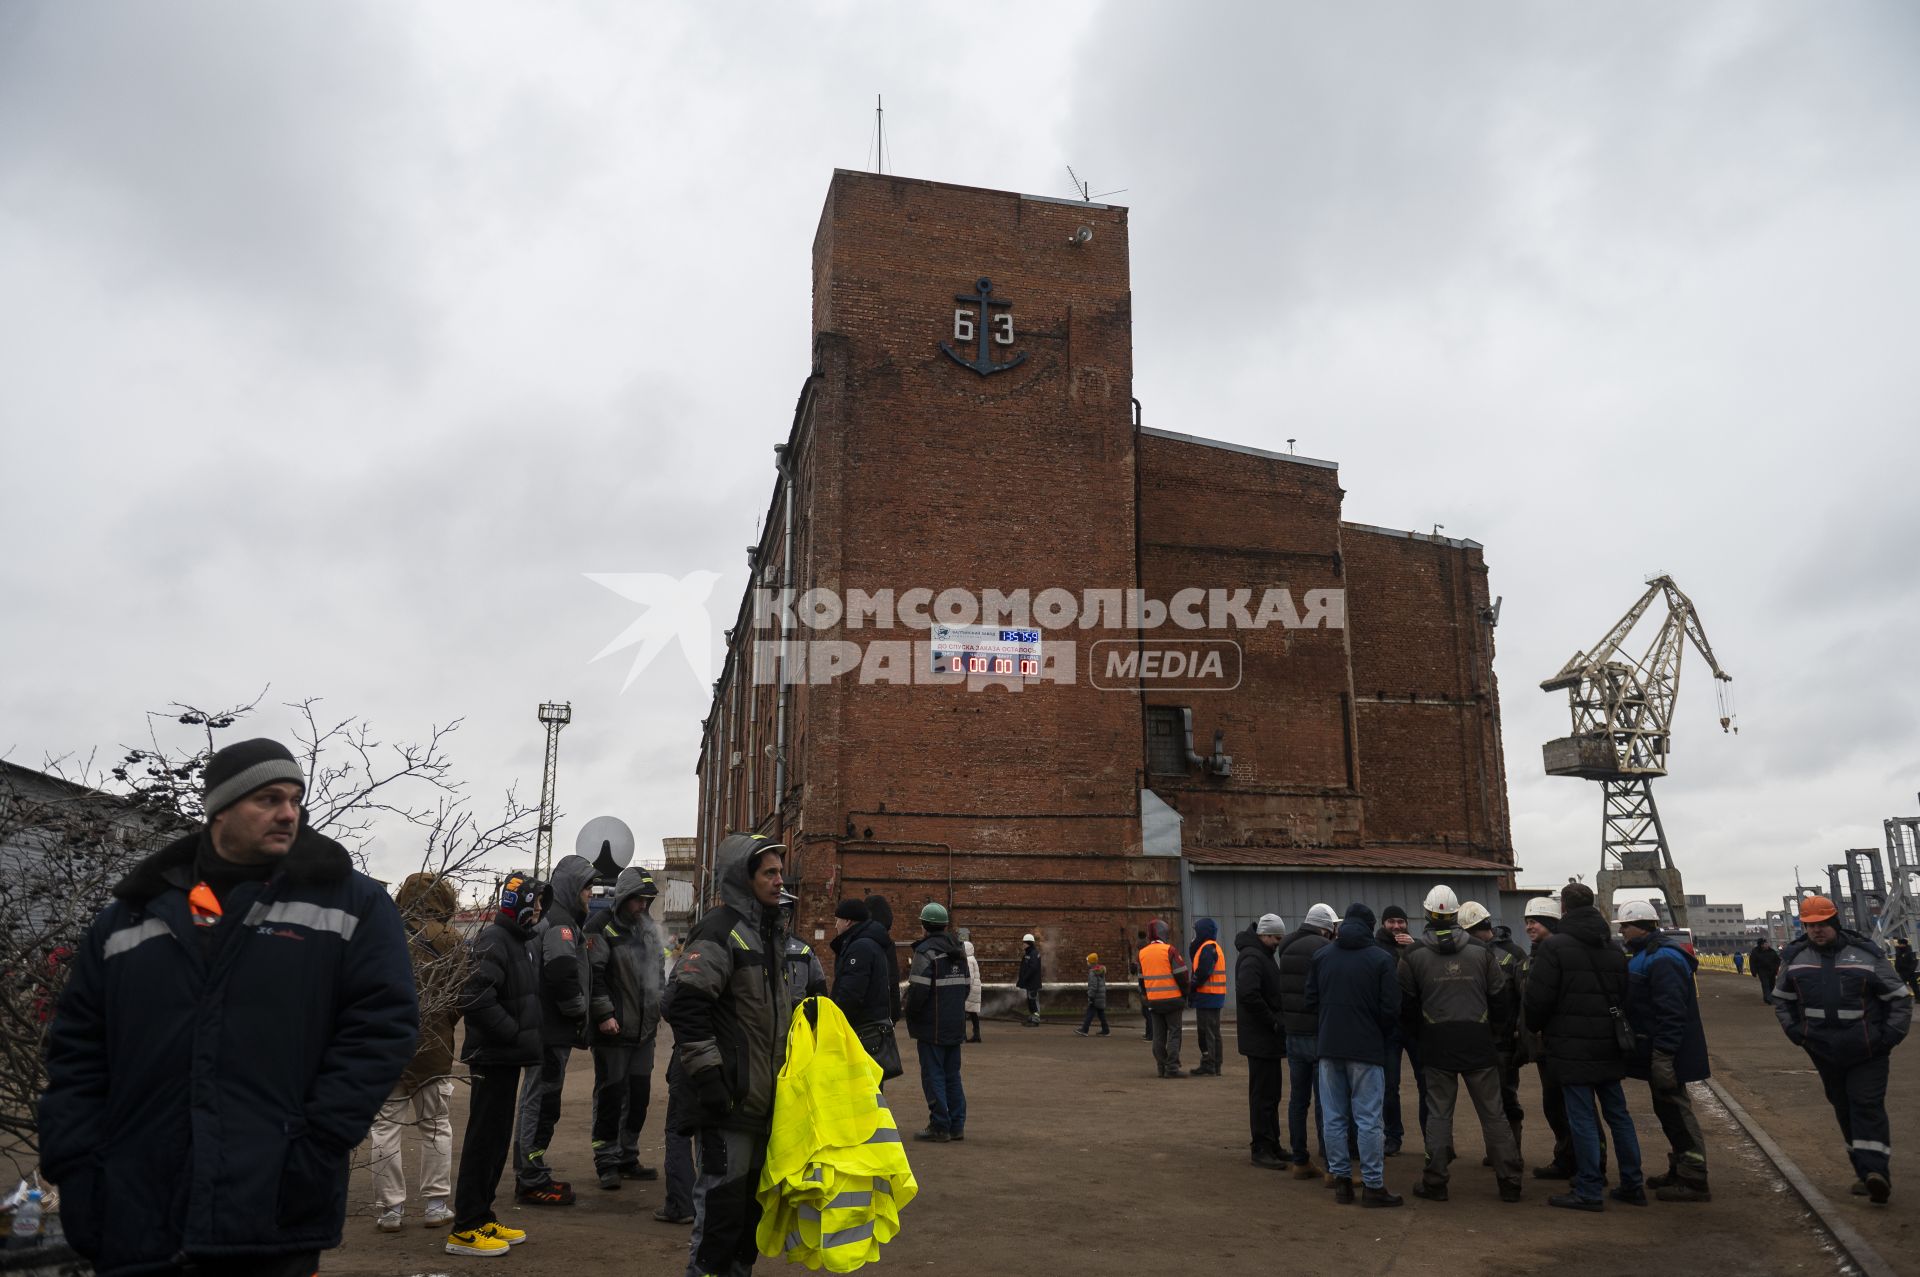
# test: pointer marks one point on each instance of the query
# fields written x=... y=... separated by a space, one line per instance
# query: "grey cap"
x=1323 y=917
x=245 y=766
x=1270 y=924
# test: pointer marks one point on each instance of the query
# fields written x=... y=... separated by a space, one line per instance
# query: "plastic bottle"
x=26 y=1221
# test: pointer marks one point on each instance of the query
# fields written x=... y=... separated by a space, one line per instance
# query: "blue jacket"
x=1353 y=989
x=208 y=1105
x=1664 y=1008
x=937 y=991
x=1202 y=959
x=1844 y=1004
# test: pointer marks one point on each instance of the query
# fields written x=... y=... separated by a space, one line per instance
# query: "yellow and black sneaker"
x=476 y=1241
x=500 y=1232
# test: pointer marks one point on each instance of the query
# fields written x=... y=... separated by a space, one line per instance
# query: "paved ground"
x=1078 y=1160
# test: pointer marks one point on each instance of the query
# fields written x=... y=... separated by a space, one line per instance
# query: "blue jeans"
x=1303 y=1062
x=1590 y=1166
x=1350 y=1096
x=940 y=1079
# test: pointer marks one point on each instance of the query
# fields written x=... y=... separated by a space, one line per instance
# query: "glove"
x=712 y=1095
x=1665 y=1078
x=1797 y=1034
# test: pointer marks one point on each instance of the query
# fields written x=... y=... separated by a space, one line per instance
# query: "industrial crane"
x=1622 y=731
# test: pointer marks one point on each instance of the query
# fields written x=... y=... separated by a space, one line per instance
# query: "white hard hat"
x=1636 y=911
x=1442 y=900
x=1472 y=914
x=1027 y=939
x=1324 y=917
x=1544 y=907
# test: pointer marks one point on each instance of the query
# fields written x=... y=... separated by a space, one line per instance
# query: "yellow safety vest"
x=836 y=1176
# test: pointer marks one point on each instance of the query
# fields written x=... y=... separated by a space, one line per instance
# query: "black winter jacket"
x=1353 y=987
x=566 y=985
x=1664 y=1007
x=1576 y=973
x=862 y=974
x=205 y=1099
x=937 y=991
x=624 y=968
x=1296 y=956
x=1030 y=973
x=1765 y=964
x=1844 y=1003
x=1256 y=991
x=882 y=913
x=500 y=1003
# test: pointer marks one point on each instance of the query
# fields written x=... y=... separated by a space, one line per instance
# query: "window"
x=1166 y=741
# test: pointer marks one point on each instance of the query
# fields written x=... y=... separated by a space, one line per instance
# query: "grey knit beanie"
x=245 y=766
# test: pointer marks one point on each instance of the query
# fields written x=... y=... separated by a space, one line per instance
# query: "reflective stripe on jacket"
x=1157 y=974
x=1213 y=990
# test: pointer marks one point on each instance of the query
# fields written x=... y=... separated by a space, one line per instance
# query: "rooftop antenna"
x=878 y=151
x=1084 y=189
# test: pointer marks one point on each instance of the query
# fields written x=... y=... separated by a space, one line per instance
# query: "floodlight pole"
x=555 y=716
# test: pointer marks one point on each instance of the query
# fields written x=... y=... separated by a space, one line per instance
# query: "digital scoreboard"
x=986 y=649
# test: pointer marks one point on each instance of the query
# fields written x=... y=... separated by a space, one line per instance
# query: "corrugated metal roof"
x=1349 y=859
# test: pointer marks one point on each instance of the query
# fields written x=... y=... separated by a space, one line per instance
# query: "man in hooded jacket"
x=1576 y=997
x=1353 y=990
x=1670 y=1046
x=730 y=1004
x=1295 y=957
x=624 y=966
x=1455 y=1004
x=423 y=1098
x=937 y=1022
x=1163 y=980
x=1261 y=1033
x=1208 y=964
x=862 y=983
x=566 y=992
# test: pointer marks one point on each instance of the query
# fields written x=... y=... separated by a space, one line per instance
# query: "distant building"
x=675 y=879
x=1717 y=928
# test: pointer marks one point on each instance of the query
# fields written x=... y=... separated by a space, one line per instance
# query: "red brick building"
x=1294 y=707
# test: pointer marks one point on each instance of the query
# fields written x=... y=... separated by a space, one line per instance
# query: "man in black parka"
x=862 y=979
x=1262 y=1034
x=234 y=1020
x=500 y=1004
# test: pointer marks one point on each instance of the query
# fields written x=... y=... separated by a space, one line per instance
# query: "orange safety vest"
x=1217 y=978
x=1156 y=973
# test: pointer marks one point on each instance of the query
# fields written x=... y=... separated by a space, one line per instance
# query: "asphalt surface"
x=1079 y=1160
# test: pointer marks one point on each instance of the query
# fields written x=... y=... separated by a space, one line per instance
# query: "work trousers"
x=1859 y=1098
x=678 y=1160
x=622 y=1087
x=940 y=1082
x=1166 y=1039
x=726 y=1208
x=424 y=1106
x=491 y=1098
x=1553 y=1101
x=1686 y=1147
x=1396 y=1127
x=973 y=1026
x=1086 y=1021
x=1590 y=1151
x=1208 y=1021
x=1483 y=1091
x=1033 y=1006
x=1350 y=1092
x=539 y=1113
x=1265 y=1078
x=1510 y=1088
x=1766 y=990
x=1303 y=1063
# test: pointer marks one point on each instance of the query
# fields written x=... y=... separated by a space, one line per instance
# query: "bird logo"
x=674 y=609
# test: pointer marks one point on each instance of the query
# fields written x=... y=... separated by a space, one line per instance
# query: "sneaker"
x=1430 y=1192
x=666 y=1216
x=552 y=1193
x=1081 y=1032
x=438 y=1213
x=501 y=1233
x=1380 y=1197
x=933 y=1135
x=1569 y=1201
x=1879 y=1189
x=1105 y=1033
x=1678 y=1192
x=390 y=1221
x=475 y=1242
x=610 y=1180
x=1637 y=1196
x=637 y=1171
x=1343 y=1191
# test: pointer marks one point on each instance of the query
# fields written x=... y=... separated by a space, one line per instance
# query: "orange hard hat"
x=1817 y=909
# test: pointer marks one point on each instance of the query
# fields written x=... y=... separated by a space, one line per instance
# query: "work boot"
x=1304 y=1170
x=1551 y=1172
x=1381 y=1197
x=1679 y=1192
x=1509 y=1190
x=1879 y=1188
x=1634 y=1196
x=1657 y=1182
x=554 y=1192
x=1859 y=1188
x=638 y=1171
x=1271 y=1161
x=1343 y=1190
x=1429 y=1192
x=932 y=1135
x=1570 y=1201
x=610 y=1180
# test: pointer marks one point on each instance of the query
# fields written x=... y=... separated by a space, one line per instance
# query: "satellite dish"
x=607 y=842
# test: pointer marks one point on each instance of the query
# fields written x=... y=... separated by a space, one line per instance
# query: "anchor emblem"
x=984 y=327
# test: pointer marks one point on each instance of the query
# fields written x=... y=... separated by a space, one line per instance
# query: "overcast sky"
x=341 y=341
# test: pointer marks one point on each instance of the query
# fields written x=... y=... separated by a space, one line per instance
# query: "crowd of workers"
x=249 y=1008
